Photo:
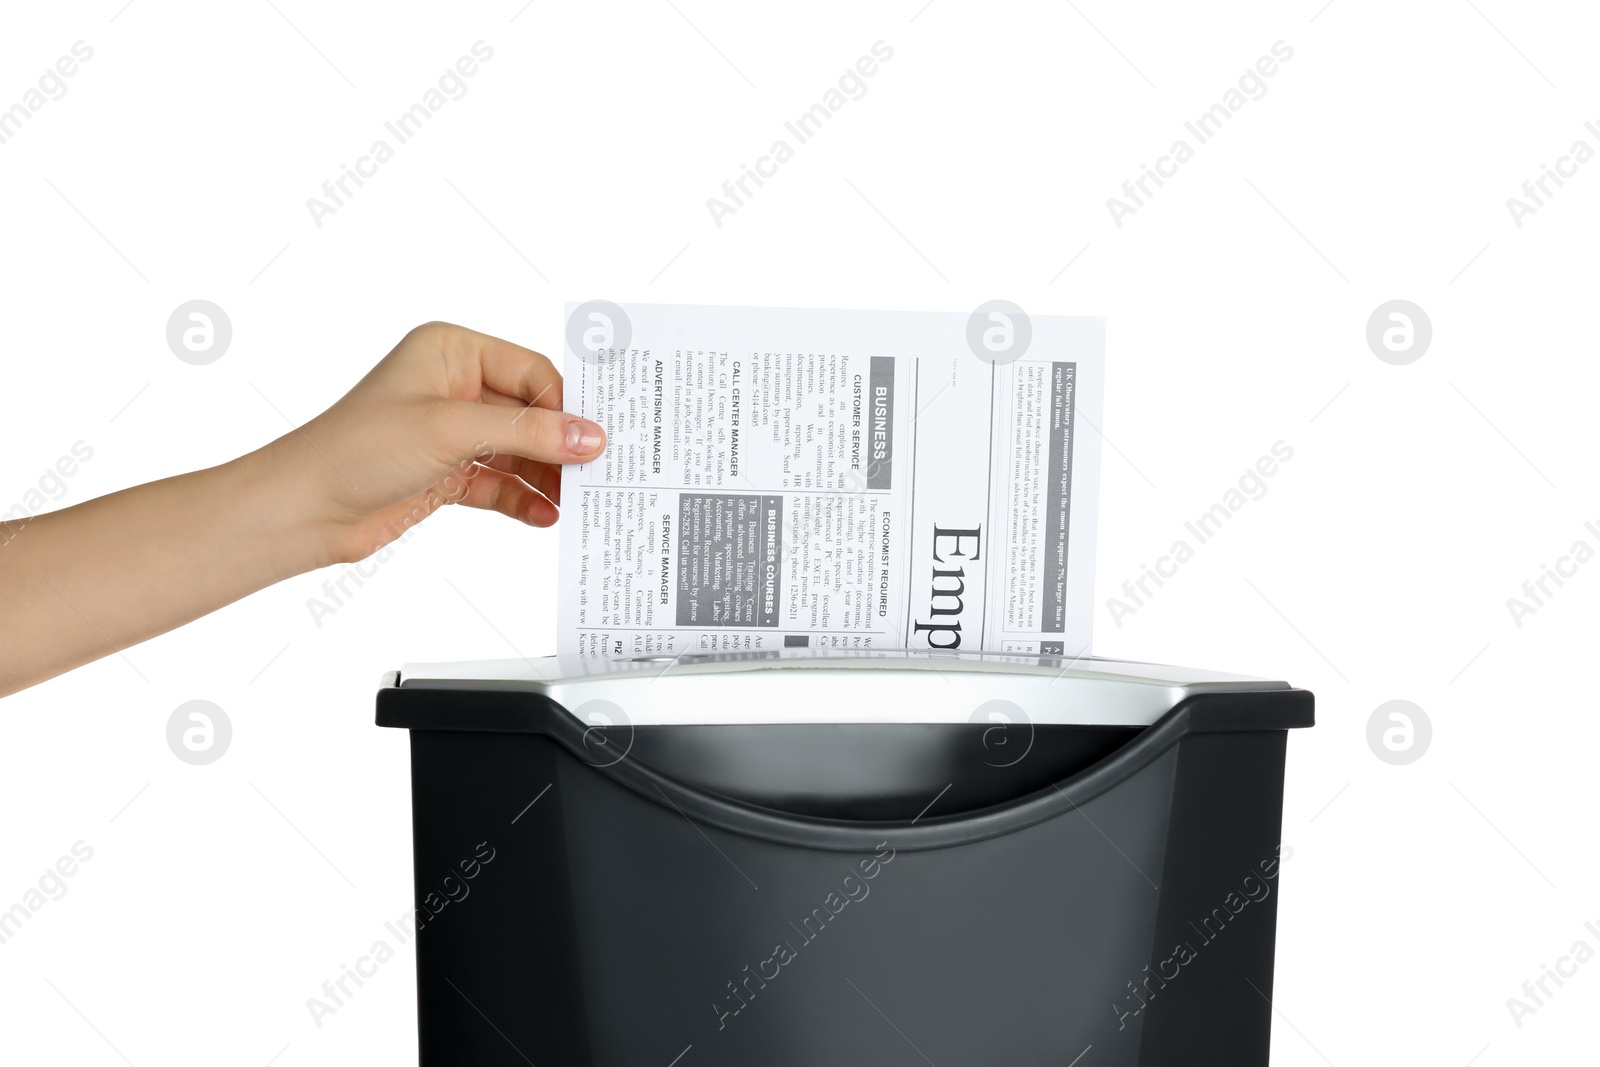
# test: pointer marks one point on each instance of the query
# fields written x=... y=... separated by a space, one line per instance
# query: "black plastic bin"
x=808 y=859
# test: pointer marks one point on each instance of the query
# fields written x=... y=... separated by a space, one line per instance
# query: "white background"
x=977 y=166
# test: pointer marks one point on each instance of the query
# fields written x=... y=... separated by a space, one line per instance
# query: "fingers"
x=496 y=490
x=510 y=369
x=531 y=432
x=542 y=476
x=495 y=396
x=509 y=405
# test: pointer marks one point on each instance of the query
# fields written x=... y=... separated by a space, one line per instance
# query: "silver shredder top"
x=803 y=685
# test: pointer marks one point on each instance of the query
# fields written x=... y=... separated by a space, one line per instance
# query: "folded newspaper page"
x=782 y=478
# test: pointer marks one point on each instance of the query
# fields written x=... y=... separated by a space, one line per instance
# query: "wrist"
x=288 y=506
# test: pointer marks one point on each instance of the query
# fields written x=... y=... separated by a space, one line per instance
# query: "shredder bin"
x=806 y=858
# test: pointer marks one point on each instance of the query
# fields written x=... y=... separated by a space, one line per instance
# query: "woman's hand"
x=450 y=416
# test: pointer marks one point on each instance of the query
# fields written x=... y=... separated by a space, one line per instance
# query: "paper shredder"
x=816 y=858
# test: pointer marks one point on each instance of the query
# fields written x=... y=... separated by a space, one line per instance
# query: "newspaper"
x=782 y=478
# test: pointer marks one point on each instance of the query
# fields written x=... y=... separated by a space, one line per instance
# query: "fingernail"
x=584 y=437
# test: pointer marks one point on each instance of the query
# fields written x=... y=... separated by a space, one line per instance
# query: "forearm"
x=449 y=416
x=94 y=579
